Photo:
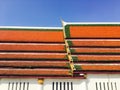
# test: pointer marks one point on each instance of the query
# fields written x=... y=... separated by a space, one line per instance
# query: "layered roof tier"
x=78 y=48
x=27 y=52
x=93 y=47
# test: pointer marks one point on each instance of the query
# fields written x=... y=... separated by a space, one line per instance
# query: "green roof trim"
x=71 y=73
x=68 y=65
x=95 y=53
x=65 y=48
x=68 y=25
x=75 y=58
x=67 y=31
x=77 y=67
x=70 y=43
x=108 y=61
x=32 y=28
x=72 y=50
x=66 y=57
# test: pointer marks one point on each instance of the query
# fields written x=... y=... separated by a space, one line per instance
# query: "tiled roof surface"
x=64 y=53
x=94 y=48
x=33 y=53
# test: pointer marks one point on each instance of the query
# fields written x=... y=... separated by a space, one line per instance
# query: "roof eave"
x=27 y=27
x=90 y=23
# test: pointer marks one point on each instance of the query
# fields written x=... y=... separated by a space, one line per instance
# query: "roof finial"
x=63 y=22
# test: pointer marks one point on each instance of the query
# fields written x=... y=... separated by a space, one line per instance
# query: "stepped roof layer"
x=68 y=52
x=94 y=47
x=33 y=52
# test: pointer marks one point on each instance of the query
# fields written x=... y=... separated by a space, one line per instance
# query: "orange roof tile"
x=59 y=53
x=34 y=64
x=31 y=35
x=38 y=71
x=98 y=67
x=38 y=53
x=94 y=31
x=95 y=44
x=23 y=55
x=32 y=47
x=95 y=50
x=90 y=57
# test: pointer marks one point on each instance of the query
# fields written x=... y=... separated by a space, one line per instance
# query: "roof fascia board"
x=91 y=23
x=30 y=28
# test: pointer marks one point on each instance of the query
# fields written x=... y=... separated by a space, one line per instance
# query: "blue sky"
x=47 y=13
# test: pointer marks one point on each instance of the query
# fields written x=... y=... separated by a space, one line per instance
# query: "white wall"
x=77 y=84
x=20 y=84
x=92 y=82
x=103 y=82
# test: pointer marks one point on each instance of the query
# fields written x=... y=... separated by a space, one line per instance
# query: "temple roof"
x=94 y=47
x=75 y=49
